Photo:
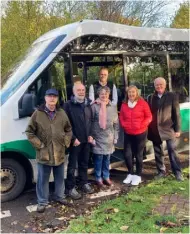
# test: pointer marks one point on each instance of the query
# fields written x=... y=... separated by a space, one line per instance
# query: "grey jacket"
x=104 y=137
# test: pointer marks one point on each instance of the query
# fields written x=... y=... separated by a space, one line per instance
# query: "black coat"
x=80 y=116
x=166 y=116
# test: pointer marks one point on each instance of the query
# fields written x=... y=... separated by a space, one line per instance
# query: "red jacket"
x=135 y=120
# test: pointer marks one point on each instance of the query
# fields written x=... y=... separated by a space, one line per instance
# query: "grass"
x=132 y=213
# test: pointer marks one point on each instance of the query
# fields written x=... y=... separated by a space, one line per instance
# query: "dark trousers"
x=159 y=156
x=134 y=147
x=78 y=154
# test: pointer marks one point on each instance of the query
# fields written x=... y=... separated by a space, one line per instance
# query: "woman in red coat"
x=135 y=116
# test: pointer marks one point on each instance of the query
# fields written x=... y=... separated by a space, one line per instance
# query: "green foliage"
x=133 y=211
x=24 y=21
x=20 y=27
x=58 y=76
x=181 y=19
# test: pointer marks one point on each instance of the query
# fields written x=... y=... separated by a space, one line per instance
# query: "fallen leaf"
x=47 y=230
x=171 y=224
x=61 y=218
x=182 y=189
x=124 y=228
x=14 y=223
x=116 y=210
x=162 y=229
x=26 y=226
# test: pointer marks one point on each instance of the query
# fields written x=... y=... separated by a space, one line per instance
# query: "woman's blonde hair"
x=127 y=90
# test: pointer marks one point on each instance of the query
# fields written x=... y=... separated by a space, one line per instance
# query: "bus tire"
x=13 y=179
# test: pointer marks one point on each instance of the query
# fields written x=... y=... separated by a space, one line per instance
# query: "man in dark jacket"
x=164 y=126
x=79 y=112
x=49 y=131
x=103 y=81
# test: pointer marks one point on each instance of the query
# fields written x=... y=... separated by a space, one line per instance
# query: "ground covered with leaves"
x=133 y=212
x=120 y=208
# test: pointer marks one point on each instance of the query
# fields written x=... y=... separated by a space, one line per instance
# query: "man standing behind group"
x=164 y=126
x=102 y=82
x=49 y=131
x=79 y=112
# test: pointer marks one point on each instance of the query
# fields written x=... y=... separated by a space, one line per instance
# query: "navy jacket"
x=80 y=116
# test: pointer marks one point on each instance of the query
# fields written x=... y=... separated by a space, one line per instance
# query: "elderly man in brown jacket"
x=49 y=131
x=165 y=126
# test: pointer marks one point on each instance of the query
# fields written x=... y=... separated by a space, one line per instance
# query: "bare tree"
x=148 y=13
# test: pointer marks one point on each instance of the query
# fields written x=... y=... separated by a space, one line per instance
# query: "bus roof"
x=98 y=27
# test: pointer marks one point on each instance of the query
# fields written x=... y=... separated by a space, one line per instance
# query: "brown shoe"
x=100 y=184
x=108 y=182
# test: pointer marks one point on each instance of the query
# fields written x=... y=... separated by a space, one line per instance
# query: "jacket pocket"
x=44 y=154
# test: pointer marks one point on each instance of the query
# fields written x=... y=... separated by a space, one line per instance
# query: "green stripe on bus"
x=184 y=120
x=22 y=146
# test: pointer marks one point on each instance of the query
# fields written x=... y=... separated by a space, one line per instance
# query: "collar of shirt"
x=51 y=114
x=160 y=95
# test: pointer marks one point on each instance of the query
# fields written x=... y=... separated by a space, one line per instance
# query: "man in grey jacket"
x=164 y=126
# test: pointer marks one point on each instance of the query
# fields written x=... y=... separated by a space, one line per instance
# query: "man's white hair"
x=76 y=85
x=160 y=78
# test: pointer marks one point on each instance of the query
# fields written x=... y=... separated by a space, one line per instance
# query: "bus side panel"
x=22 y=146
x=184 y=120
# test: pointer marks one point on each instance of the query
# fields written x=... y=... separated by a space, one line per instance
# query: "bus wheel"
x=13 y=179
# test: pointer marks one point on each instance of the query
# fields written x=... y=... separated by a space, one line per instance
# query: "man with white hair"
x=165 y=126
x=79 y=112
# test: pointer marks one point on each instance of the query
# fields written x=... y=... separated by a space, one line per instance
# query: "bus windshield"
x=32 y=60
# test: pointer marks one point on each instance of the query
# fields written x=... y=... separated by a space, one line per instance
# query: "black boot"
x=86 y=188
x=74 y=194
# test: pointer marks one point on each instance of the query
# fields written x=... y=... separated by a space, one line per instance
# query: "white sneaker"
x=136 y=180
x=128 y=179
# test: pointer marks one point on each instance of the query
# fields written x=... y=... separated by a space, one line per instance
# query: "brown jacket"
x=54 y=134
x=166 y=116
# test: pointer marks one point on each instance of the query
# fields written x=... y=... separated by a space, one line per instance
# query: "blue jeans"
x=101 y=166
x=42 y=186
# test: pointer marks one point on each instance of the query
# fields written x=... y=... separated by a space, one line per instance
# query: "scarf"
x=132 y=104
x=102 y=113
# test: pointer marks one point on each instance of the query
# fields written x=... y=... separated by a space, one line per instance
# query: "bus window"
x=53 y=76
x=143 y=71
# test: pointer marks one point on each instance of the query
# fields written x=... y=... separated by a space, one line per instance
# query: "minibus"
x=133 y=55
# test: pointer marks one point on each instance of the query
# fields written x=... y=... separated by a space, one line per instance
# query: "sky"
x=171 y=9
